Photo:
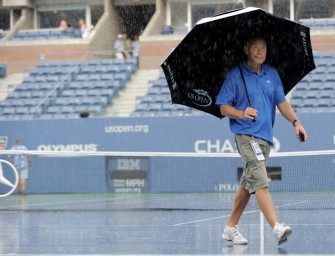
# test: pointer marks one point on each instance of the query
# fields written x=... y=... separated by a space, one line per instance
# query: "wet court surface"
x=157 y=232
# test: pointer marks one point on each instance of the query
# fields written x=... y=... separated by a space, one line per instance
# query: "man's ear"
x=246 y=50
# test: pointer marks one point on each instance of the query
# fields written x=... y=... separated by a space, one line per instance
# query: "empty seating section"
x=317 y=24
x=157 y=102
x=316 y=92
x=46 y=34
x=61 y=89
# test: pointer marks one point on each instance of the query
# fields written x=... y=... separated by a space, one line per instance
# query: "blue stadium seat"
x=165 y=90
x=163 y=113
x=54 y=109
x=94 y=77
x=310 y=95
x=147 y=113
x=154 y=91
x=22 y=110
x=67 y=109
x=108 y=92
x=75 y=85
x=29 y=79
x=166 y=106
x=135 y=114
x=80 y=93
x=324 y=103
x=8 y=111
x=177 y=113
x=113 y=62
x=40 y=79
x=87 y=70
x=82 y=77
x=38 y=94
x=102 y=100
x=68 y=93
x=142 y=106
x=315 y=85
x=296 y=103
x=52 y=78
x=95 y=109
x=155 y=106
x=160 y=98
x=107 y=76
x=54 y=64
x=94 y=62
x=328 y=85
x=93 y=92
x=309 y=103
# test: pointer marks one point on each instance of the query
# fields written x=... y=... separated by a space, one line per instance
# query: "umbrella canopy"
x=196 y=68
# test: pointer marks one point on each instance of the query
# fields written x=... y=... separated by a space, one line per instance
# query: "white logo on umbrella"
x=200 y=97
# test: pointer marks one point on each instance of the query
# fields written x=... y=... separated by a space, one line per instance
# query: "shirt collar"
x=248 y=71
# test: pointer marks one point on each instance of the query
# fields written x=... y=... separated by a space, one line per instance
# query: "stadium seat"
x=93 y=77
x=113 y=61
x=325 y=94
x=82 y=77
x=328 y=85
x=69 y=93
x=323 y=103
x=67 y=109
x=315 y=85
x=8 y=111
x=165 y=90
x=311 y=95
x=52 y=78
x=167 y=30
x=166 y=106
x=54 y=109
x=22 y=110
x=154 y=91
x=142 y=106
x=107 y=76
x=309 y=103
x=95 y=109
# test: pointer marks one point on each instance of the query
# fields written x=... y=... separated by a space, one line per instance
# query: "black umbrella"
x=196 y=68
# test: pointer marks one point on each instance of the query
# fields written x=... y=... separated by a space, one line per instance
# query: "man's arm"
x=234 y=113
x=287 y=111
x=30 y=161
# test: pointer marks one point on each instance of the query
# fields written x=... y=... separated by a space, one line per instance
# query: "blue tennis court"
x=88 y=225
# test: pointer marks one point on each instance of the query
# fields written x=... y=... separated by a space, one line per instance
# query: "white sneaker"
x=281 y=232
x=234 y=234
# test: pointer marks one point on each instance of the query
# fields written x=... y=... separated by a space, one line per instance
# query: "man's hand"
x=250 y=113
x=300 y=131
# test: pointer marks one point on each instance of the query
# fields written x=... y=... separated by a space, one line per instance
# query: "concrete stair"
x=8 y=84
x=125 y=102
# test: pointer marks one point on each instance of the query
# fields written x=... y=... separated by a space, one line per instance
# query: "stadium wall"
x=161 y=134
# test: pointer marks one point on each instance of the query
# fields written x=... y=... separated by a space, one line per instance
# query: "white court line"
x=209 y=219
x=225 y=216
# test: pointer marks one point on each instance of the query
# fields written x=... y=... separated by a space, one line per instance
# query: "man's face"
x=256 y=51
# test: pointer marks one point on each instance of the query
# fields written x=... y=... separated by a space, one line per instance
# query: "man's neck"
x=255 y=67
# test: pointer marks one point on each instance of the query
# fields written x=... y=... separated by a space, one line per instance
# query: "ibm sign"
x=128 y=174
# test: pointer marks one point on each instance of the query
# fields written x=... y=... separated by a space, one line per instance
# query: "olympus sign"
x=200 y=97
x=68 y=147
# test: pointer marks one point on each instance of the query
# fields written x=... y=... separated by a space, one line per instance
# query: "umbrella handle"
x=254 y=118
x=246 y=90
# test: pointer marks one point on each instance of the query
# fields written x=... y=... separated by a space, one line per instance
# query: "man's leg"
x=231 y=231
x=265 y=203
x=241 y=200
x=22 y=186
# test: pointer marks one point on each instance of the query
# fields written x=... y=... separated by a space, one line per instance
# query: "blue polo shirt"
x=265 y=92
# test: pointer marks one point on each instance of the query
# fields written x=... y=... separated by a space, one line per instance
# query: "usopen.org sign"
x=200 y=97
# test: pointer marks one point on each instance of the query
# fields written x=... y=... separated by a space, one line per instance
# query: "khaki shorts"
x=254 y=172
